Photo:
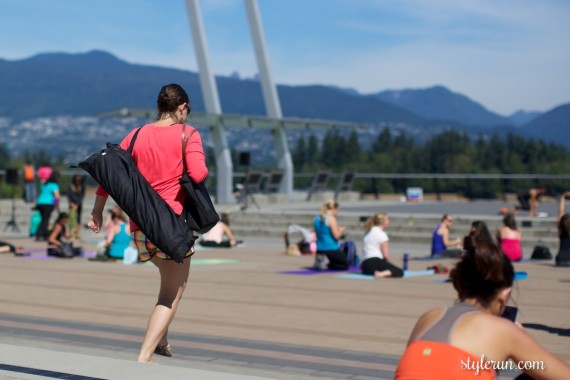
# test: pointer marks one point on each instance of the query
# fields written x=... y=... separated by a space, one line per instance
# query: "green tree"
x=4 y=157
x=353 y=148
x=312 y=149
x=300 y=154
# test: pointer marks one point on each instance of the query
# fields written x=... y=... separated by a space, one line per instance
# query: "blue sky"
x=505 y=54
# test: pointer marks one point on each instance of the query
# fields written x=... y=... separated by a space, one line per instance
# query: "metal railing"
x=302 y=180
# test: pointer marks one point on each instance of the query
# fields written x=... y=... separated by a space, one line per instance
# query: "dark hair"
x=61 y=216
x=79 y=177
x=444 y=217
x=479 y=231
x=170 y=97
x=509 y=221
x=225 y=218
x=119 y=215
x=54 y=177
x=564 y=226
x=482 y=272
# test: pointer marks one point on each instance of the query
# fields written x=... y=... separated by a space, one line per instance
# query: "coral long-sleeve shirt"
x=158 y=155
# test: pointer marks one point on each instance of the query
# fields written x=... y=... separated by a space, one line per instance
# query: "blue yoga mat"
x=409 y=273
x=518 y=276
x=428 y=258
x=416 y=273
x=355 y=276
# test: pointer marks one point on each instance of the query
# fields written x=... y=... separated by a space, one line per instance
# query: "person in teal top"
x=119 y=237
x=47 y=200
x=328 y=233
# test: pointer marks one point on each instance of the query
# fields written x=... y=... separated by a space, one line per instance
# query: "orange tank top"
x=425 y=360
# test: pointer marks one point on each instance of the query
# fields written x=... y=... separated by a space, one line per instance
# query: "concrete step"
x=403 y=227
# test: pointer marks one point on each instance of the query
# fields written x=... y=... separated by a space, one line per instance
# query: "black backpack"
x=541 y=252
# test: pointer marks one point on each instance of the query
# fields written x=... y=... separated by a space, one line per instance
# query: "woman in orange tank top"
x=469 y=340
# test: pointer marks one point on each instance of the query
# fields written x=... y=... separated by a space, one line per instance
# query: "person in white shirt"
x=375 y=249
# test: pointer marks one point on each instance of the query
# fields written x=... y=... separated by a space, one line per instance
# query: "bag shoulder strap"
x=184 y=144
x=132 y=144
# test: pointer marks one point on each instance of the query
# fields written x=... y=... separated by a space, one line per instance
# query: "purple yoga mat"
x=311 y=271
x=41 y=254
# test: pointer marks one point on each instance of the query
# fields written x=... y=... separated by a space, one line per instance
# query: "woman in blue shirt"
x=47 y=200
x=328 y=233
x=119 y=237
x=441 y=245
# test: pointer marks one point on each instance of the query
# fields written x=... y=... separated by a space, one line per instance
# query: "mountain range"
x=88 y=84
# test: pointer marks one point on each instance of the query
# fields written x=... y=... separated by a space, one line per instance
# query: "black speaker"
x=244 y=158
x=12 y=176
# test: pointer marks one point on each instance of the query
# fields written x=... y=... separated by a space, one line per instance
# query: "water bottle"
x=405 y=264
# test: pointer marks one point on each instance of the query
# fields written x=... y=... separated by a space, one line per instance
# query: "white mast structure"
x=270 y=97
x=224 y=175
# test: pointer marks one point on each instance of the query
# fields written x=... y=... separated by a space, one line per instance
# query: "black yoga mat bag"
x=199 y=210
x=116 y=171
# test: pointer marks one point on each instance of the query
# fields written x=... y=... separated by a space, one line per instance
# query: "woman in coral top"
x=158 y=155
x=461 y=342
x=509 y=238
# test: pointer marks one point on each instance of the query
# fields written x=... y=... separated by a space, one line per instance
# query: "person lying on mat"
x=220 y=236
x=6 y=247
x=306 y=246
x=441 y=244
x=375 y=249
x=465 y=340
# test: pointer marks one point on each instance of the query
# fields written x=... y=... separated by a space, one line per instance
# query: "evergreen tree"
x=300 y=154
x=384 y=141
x=352 y=148
x=312 y=149
x=4 y=156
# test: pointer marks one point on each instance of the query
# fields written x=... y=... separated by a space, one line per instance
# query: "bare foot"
x=149 y=360
x=382 y=274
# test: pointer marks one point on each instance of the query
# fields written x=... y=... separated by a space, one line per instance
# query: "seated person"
x=441 y=245
x=111 y=221
x=119 y=235
x=472 y=330
x=375 y=249
x=563 y=257
x=59 y=237
x=328 y=234
x=220 y=236
x=478 y=231
x=509 y=238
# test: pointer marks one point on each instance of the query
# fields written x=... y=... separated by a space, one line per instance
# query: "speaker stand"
x=12 y=222
x=245 y=197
